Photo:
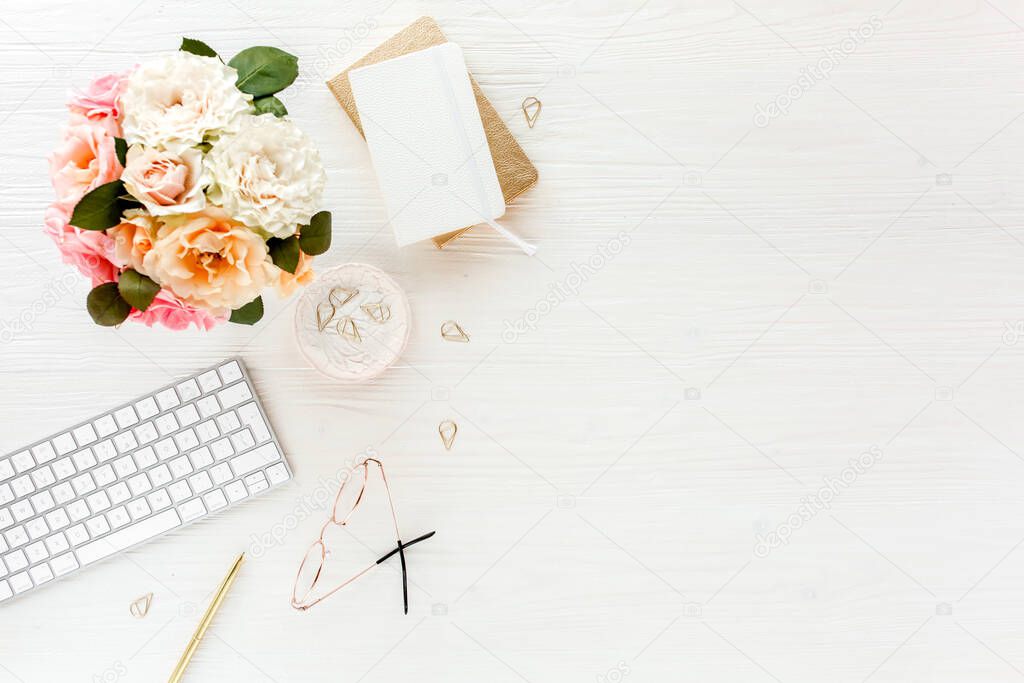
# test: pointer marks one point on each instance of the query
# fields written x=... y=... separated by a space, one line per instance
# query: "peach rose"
x=85 y=160
x=165 y=182
x=287 y=282
x=133 y=239
x=209 y=260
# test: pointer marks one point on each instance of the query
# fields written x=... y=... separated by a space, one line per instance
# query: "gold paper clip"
x=347 y=328
x=531 y=110
x=452 y=331
x=339 y=296
x=323 y=317
x=379 y=313
x=140 y=606
x=447 y=429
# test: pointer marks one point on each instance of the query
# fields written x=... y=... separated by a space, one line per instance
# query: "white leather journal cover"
x=427 y=143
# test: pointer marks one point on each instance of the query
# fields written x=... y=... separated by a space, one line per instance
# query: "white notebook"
x=427 y=144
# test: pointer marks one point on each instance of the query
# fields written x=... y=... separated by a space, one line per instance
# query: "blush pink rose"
x=86 y=159
x=100 y=101
x=173 y=313
x=91 y=251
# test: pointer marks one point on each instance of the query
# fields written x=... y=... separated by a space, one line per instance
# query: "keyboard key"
x=126 y=417
x=20 y=582
x=236 y=491
x=221 y=473
x=234 y=395
x=200 y=482
x=207 y=431
x=57 y=543
x=255 y=459
x=83 y=484
x=6 y=469
x=138 y=508
x=124 y=467
x=145 y=457
x=230 y=372
x=43 y=502
x=252 y=417
x=64 y=444
x=22 y=510
x=187 y=415
x=22 y=486
x=63 y=564
x=192 y=509
x=63 y=492
x=85 y=458
x=43 y=477
x=201 y=457
x=6 y=494
x=125 y=441
x=97 y=526
x=58 y=519
x=78 y=511
x=105 y=426
x=105 y=450
x=36 y=552
x=228 y=422
x=63 y=468
x=215 y=500
x=98 y=501
x=208 y=406
x=16 y=537
x=180 y=467
x=41 y=574
x=208 y=381
x=179 y=491
x=139 y=484
x=5 y=591
x=104 y=475
x=186 y=440
x=43 y=453
x=119 y=493
x=159 y=499
x=16 y=561
x=165 y=448
x=166 y=424
x=277 y=473
x=259 y=485
x=147 y=433
x=222 y=448
x=37 y=528
x=129 y=536
x=160 y=475
x=242 y=440
x=77 y=534
x=23 y=461
x=146 y=408
x=188 y=390
x=84 y=435
x=6 y=518
x=118 y=517
x=167 y=399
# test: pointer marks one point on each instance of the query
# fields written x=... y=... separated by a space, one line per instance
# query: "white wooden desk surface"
x=786 y=293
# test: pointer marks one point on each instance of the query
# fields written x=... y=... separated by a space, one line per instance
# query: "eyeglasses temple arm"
x=406 y=545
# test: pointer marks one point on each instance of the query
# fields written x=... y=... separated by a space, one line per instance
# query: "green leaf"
x=269 y=105
x=248 y=314
x=315 y=238
x=197 y=47
x=99 y=209
x=264 y=70
x=137 y=289
x=284 y=252
x=121 y=148
x=106 y=306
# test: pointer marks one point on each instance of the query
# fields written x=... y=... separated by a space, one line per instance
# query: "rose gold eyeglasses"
x=350 y=495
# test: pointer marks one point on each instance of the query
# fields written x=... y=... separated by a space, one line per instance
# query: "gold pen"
x=204 y=623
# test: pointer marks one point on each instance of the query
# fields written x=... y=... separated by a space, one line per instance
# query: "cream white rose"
x=165 y=182
x=180 y=100
x=267 y=175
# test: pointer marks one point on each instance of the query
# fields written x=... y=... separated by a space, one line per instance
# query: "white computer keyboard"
x=150 y=466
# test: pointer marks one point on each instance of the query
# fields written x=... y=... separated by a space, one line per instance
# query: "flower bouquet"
x=183 y=189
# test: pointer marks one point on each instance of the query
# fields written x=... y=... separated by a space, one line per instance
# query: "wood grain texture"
x=722 y=314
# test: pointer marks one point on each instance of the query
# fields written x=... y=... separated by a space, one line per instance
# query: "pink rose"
x=173 y=313
x=91 y=251
x=85 y=160
x=100 y=100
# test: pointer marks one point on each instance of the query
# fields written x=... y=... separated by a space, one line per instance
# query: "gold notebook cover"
x=516 y=174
